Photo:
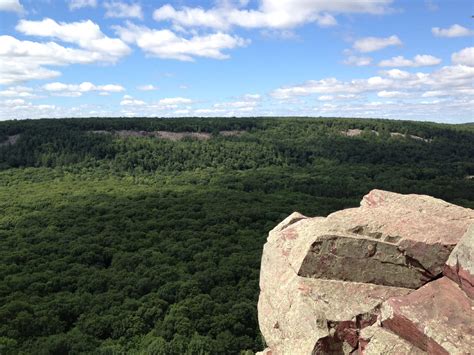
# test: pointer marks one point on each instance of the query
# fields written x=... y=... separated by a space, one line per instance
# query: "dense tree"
x=142 y=245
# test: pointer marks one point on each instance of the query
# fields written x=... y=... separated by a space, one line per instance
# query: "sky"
x=411 y=59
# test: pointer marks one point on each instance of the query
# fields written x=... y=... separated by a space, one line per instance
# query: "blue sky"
x=368 y=58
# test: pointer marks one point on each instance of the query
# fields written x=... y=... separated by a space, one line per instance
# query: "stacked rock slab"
x=329 y=285
x=460 y=265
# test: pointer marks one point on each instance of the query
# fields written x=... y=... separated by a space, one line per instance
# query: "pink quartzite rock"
x=424 y=228
x=460 y=265
x=375 y=340
x=324 y=280
x=300 y=315
x=437 y=318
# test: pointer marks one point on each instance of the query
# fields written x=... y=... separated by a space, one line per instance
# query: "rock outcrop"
x=369 y=280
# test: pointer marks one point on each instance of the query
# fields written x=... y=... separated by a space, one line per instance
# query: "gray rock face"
x=323 y=280
x=361 y=259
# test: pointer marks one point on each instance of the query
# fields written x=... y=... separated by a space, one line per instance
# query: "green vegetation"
x=140 y=245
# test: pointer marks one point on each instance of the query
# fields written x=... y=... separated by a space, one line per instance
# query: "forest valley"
x=144 y=235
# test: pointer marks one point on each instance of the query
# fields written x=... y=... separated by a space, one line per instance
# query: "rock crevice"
x=370 y=280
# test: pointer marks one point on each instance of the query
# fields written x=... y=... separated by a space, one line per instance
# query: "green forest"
x=131 y=243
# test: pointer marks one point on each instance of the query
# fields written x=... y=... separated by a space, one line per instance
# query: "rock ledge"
x=369 y=280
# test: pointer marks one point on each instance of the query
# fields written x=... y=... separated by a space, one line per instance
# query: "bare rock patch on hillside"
x=169 y=135
x=10 y=140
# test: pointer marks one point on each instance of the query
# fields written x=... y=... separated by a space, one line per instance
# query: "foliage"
x=142 y=245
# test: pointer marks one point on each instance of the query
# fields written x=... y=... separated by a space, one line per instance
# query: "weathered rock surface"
x=375 y=340
x=425 y=228
x=324 y=280
x=460 y=265
x=437 y=318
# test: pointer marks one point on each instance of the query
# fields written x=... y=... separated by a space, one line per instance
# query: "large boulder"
x=437 y=318
x=460 y=265
x=323 y=280
x=425 y=228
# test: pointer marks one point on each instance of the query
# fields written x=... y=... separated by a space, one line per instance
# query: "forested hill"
x=144 y=235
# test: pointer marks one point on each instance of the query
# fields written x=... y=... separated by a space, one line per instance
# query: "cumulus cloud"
x=119 y=9
x=22 y=60
x=86 y=34
x=340 y=97
x=130 y=101
x=464 y=57
x=371 y=44
x=420 y=60
x=391 y=94
x=174 y=101
x=326 y=98
x=358 y=61
x=165 y=105
x=79 y=4
x=148 y=87
x=275 y=14
x=166 y=44
x=11 y=6
x=75 y=90
x=456 y=79
x=18 y=91
x=246 y=103
x=453 y=31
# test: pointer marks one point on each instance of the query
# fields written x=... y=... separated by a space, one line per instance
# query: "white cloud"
x=391 y=94
x=121 y=9
x=27 y=60
x=207 y=111
x=75 y=90
x=247 y=102
x=396 y=74
x=453 y=31
x=276 y=14
x=148 y=87
x=182 y=112
x=86 y=34
x=166 y=44
x=17 y=91
x=14 y=102
x=11 y=6
x=358 y=61
x=132 y=102
x=457 y=80
x=435 y=93
x=79 y=4
x=252 y=96
x=326 y=98
x=464 y=57
x=420 y=60
x=175 y=101
x=371 y=44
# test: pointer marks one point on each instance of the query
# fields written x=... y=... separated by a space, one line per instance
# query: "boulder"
x=437 y=318
x=324 y=280
x=460 y=264
x=424 y=228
